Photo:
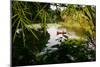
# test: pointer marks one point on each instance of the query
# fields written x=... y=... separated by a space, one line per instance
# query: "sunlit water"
x=52 y=29
x=54 y=38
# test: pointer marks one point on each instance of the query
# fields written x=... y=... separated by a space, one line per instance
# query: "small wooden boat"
x=61 y=32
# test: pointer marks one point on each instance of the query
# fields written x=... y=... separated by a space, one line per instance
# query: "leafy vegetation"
x=29 y=43
x=81 y=20
x=69 y=51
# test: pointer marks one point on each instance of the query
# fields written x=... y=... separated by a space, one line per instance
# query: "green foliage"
x=68 y=51
x=81 y=19
x=28 y=53
x=74 y=42
x=26 y=13
x=19 y=18
x=25 y=38
x=29 y=44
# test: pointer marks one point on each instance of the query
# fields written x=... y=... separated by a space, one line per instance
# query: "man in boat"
x=63 y=34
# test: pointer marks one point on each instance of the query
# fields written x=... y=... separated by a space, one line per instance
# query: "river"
x=52 y=29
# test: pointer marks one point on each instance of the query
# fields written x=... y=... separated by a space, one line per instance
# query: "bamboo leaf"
x=31 y=31
x=14 y=16
x=45 y=24
x=23 y=34
x=15 y=31
x=15 y=21
x=38 y=13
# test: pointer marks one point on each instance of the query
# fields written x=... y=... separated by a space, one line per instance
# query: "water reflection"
x=53 y=29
